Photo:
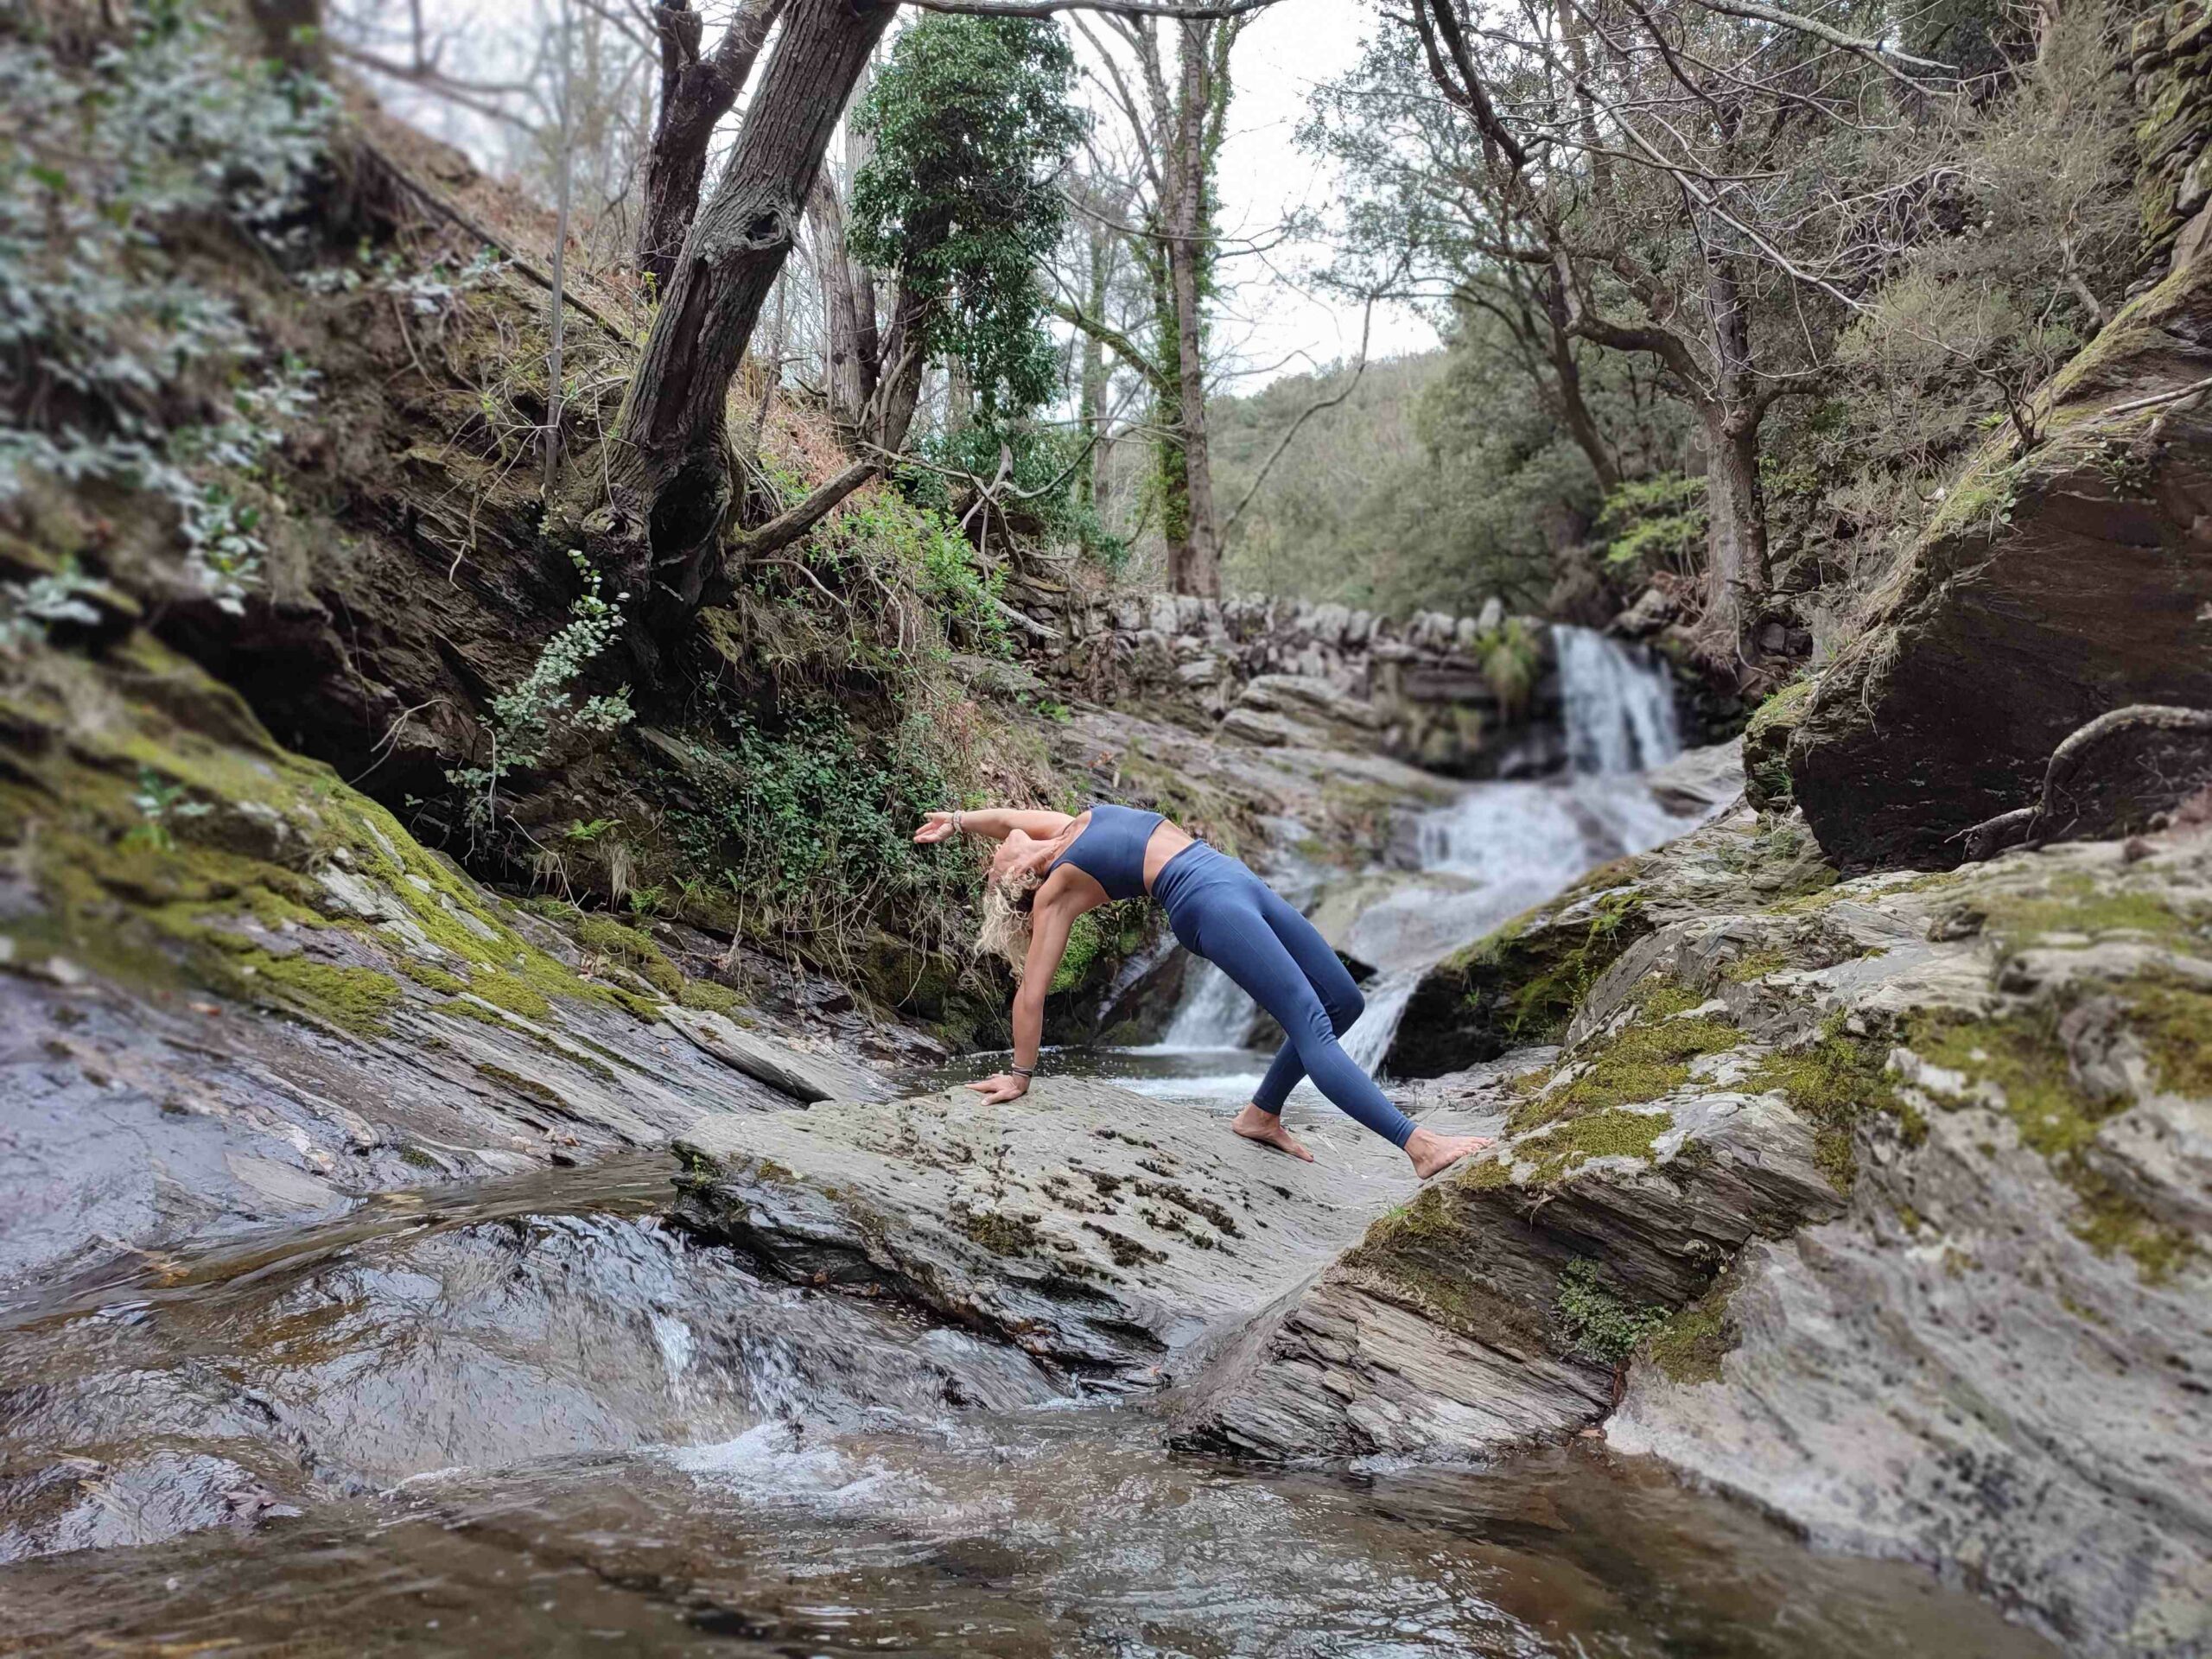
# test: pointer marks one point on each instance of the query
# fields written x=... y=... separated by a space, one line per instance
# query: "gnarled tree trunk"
x=696 y=92
x=1197 y=570
x=669 y=473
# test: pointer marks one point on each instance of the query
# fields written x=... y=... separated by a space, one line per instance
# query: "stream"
x=539 y=1422
x=530 y=1418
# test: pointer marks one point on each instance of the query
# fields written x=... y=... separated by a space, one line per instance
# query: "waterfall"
x=1494 y=851
x=1213 y=1013
x=1617 y=703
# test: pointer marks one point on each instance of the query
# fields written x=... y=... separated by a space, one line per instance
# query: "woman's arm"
x=1048 y=943
x=993 y=823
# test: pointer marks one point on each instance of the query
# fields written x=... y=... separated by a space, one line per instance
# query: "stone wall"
x=1474 y=696
x=2170 y=66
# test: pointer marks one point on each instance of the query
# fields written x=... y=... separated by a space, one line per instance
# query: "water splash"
x=1617 y=703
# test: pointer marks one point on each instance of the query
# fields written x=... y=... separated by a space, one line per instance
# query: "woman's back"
x=1111 y=848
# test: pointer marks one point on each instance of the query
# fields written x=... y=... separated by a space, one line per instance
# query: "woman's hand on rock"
x=938 y=826
x=1007 y=1085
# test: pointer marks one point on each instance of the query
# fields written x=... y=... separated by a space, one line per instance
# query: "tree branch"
x=1208 y=10
x=788 y=526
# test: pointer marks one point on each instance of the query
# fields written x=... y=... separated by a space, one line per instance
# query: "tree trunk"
x=670 y=484
x=696 y=92
x=292 y=32
x=1200 y=571
x=1094 y=376
x=1735 y=569
x=846 y=292
x=1574 y=411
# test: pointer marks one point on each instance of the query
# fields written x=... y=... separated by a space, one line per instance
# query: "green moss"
x=1834 y=1083
x=1598 y=1324
x=431 y=979
x=1615 y=1134
x=513 y=993
x=2081 y=904
x=1754 y=965
x=2173 y=1020
x=716 y=999
x=1645 y=1059
x=2022 y=1057
x=1688 y=1345
x=1981 y=502
x=1427 y=1220
x=1085 y=941
x=352 y=999
x=2112 y=1222
x=633 y=950
x=2059 y=1119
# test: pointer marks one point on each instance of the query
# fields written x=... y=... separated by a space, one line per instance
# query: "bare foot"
x=1432 y=1151
x=1267 y=1128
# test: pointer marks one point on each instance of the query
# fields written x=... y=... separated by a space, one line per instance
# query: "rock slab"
x=1098 y=1230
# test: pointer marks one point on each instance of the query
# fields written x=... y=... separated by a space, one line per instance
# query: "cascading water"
x=1617 y=703
x=1498 y=848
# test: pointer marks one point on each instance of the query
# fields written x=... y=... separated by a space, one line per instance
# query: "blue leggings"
x=1223 y=911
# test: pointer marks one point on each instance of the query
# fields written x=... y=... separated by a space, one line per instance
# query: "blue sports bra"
x=1110 y=849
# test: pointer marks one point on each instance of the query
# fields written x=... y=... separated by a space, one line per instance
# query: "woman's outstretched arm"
x=992 y=823
x=1048 y=943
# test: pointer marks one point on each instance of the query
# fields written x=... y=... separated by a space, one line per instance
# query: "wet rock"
x=1091 y=1227
x=1945 y=1141
x=512 y=1324
x=806 y=1074
x=1496 y=1309
x=2051 y=588
x=274 y=1026
x=1698 y=783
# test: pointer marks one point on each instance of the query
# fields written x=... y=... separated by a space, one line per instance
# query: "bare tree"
x=1653 y=178
x=696 y=91
x=1176 y=113
x=668 y=485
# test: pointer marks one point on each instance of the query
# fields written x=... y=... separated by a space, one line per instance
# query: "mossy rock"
x=1766 y=746
x=172 y=842
x=1520 y=984
x=2045 y=593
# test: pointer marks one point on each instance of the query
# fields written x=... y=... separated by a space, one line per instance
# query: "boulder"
x=1481 y=1317
x=1198 y=672
x=1522 y=983
x=2051 y=588
x=806 y=1073
x=1698 y=783
x=1092 y=1228
x=1881 y=1204
x=2123 y=773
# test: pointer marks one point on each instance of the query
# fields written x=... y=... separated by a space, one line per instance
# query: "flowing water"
x=533 y=1420
x=1498 y=848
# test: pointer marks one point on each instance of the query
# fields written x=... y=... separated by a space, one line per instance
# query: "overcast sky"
x=1283 y=55
x=1271 y=321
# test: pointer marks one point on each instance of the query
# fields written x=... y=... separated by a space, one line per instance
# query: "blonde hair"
x=1005 y=933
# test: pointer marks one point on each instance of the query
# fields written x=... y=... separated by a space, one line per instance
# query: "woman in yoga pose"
x=1050 y=868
